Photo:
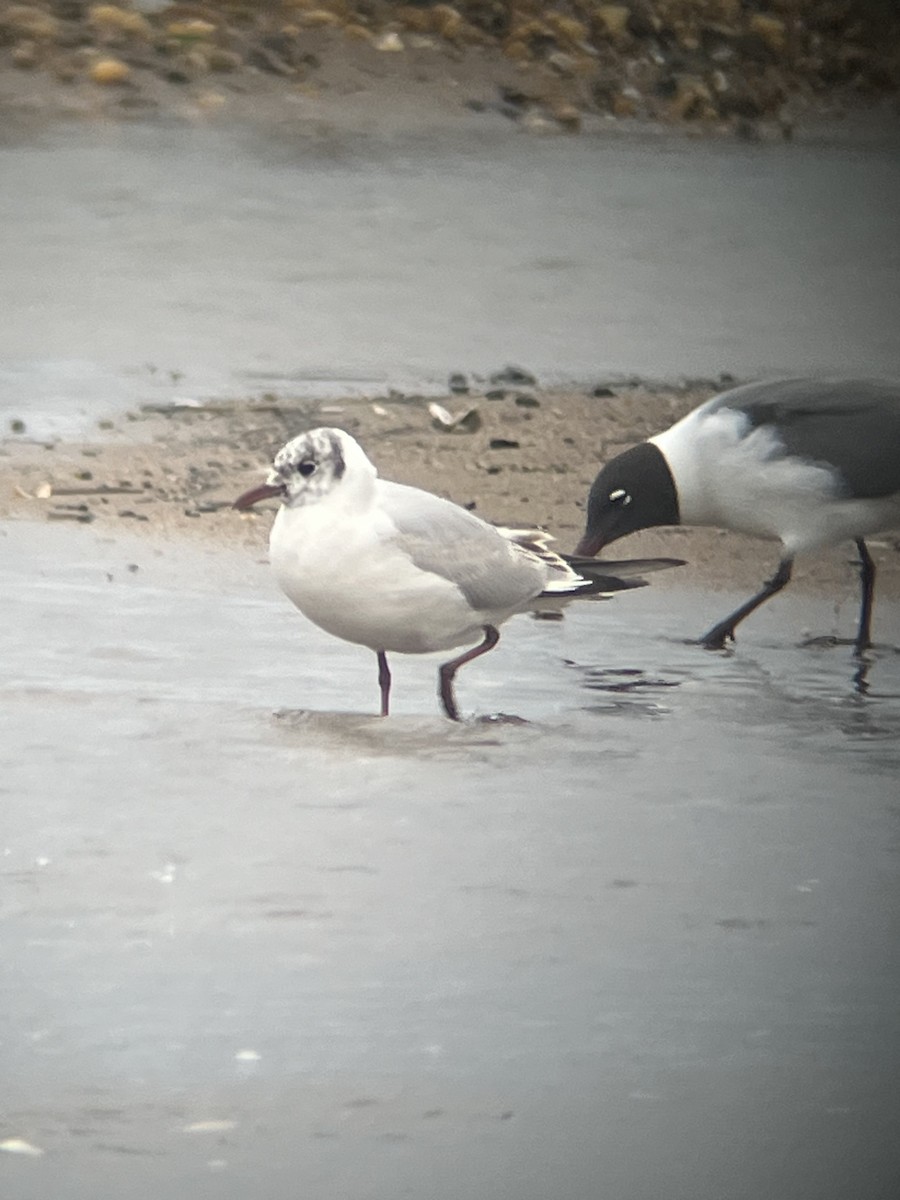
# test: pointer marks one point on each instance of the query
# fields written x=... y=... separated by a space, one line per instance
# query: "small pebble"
x=109 y=72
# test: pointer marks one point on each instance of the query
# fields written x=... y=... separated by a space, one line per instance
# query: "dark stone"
x=754 y=48
x=525 y=401
x=747 y=131
x=267 y=60
x=503 y=444
x=458 y=384
x=513 y=98
x=69 y=10
x=514 y=376
x=640 y=23
x=665 y=87
x=740 y=103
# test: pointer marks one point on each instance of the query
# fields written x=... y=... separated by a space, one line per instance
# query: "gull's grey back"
x=851 y=424
x=492 y=573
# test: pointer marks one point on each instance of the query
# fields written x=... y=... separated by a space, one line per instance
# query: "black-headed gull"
x=807 y=462
x=398 y=569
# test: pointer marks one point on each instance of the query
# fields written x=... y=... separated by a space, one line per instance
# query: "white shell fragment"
x=466 y=422
x=167 y=875
x=390 y=42
x=209 y=1126
x=20 y=1146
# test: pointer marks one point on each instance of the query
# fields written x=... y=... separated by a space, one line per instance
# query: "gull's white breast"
x=349 y=575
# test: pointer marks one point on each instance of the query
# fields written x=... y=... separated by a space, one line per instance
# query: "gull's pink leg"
x=448 y=670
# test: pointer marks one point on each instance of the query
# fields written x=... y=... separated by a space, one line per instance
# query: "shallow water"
x=146 y=262
x=644 y=945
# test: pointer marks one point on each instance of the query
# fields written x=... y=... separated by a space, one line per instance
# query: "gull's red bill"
x=265 y=491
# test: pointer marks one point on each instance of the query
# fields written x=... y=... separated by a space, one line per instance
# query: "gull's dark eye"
x=307 y=467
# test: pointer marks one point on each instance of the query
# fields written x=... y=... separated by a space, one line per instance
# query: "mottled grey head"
x=305 y=470
x=309 y=466
x=633 y=491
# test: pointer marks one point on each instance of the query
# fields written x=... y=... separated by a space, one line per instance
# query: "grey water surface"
x=156 y=261
x=643 y=945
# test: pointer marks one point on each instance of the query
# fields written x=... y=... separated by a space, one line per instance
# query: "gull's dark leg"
x=384 y=681
x=867 y=582
x=716 y=638
x=448 y=670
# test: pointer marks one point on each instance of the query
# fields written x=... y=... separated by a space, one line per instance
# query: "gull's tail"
x=573 y=576
x=594 y=576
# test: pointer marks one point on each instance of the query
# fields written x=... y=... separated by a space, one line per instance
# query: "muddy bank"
x=715 y=66
x=517 y=455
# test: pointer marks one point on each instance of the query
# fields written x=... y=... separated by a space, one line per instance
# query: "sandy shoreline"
x=528 y=456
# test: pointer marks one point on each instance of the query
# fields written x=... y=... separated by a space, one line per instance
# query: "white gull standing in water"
x=398 y=569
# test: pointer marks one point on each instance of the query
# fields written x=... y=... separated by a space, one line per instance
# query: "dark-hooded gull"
x=807 y=462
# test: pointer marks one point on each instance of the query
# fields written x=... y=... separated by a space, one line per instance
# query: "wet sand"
x=259 y=941
x=531 y=461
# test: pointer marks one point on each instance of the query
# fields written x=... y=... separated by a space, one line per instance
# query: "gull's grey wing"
x=443 y=538
x=812 y=418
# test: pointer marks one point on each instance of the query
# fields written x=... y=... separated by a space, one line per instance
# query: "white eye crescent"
x=620 y=496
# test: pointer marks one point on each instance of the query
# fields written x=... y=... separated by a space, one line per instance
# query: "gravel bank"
x=752 y=69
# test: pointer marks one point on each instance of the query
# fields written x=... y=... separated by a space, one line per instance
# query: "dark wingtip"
x=624 y=567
